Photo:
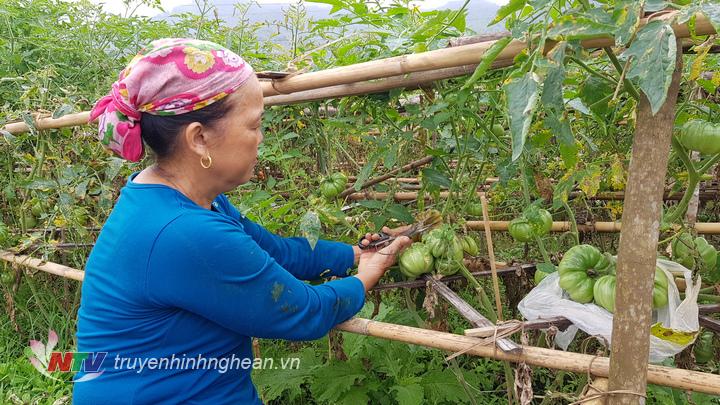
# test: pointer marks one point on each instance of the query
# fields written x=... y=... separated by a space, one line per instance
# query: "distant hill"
x=480 y=13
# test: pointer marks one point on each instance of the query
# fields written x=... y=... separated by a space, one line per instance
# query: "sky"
x=117 y=7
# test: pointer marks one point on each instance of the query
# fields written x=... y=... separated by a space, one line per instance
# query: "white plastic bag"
x=548 y=300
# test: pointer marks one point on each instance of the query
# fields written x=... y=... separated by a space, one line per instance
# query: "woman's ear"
x=195 y=137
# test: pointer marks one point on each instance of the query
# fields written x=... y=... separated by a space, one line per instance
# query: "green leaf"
x=442 y=386
x=487 y=59
x=333 y=381
x=577 y=26
x=400 y=213
x=372 y=204
x=366 y=171
x=506 y=10
x=436 y=177
x=337 y=5
x=409 y=394
x=592 y=92
x=310 y=227
x=655 y=5
x=627 y=18
x=653 y=61
x=522 y=95
x=64 y=109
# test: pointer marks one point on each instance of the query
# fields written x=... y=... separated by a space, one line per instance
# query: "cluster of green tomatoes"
x=441 y=250
x=587 y=275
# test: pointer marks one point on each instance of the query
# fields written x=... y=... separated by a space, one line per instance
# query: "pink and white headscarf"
x=170 y=76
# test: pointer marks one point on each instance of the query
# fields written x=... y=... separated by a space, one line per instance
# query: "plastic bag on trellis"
x=548 y=300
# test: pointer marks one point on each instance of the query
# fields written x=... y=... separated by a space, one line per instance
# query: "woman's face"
x=234 y=153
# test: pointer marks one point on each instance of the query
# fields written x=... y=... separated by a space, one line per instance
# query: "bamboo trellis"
x=549 y=358
x=397 y=68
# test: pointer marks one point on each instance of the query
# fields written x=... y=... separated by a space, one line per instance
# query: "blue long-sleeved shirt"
x=168 y=279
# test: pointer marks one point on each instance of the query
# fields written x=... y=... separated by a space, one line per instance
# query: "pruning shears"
x=415 y=229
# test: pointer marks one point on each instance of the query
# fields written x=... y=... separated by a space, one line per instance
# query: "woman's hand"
x=374 y=263
x=374 y=236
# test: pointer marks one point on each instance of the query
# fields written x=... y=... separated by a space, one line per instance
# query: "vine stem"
x=694 y=177
x=526 y=196
x=573 y=222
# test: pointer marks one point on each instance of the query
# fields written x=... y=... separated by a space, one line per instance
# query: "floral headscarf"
x=170 y=76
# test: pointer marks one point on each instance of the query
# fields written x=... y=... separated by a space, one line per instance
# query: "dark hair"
x=160 y=132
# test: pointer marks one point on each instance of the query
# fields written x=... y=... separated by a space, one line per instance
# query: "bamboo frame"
x=535 y=356
x=399 y=66
x=48 y=267
x=549 y=358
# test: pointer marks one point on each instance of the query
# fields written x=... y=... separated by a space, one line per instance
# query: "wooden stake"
x=638 y=245
x=534 y=356
x=491 y=256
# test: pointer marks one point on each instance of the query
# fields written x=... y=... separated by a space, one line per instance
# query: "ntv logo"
x=46 y=361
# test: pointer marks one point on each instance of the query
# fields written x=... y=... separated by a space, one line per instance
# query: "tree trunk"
x=638 y=246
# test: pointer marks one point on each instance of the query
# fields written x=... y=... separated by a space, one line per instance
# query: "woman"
x=177 y=273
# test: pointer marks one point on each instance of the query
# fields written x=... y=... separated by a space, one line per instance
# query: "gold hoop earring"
x=209 y=161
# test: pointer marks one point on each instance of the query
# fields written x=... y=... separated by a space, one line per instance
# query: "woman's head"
x=188 y=100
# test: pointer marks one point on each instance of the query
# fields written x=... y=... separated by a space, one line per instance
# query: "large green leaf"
x=552 y=102
x=400 y=213
x=653 y=61
x=409 y=394
x=627 y=18
x=310 y=227
x=333 y=381
x=584 y=25
x=522 y=95
x=506 y=10
x=595 y=93
x=436 y=177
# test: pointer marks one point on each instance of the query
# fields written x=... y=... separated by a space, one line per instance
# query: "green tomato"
x=604 y=292
x=660 y=289
x=37 y=208
x=416 y=260
x=4 y=234
x=469 y=245
x=701 y=136
x=475 y=209
x=447 y=266
x=540 y=220
x=521 y=230
x=443 y=242
x=7 y=278
x=707 y=253
x=579 y=268
x=329 y=189
x=703 y=349
x=28 y=221
x=339 y=179
x=686 y=261
x=498 y=130
x=683 y=245
x=542 y=270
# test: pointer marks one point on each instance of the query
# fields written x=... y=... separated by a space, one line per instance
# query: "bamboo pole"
x=535 y=356
x=410 y=166
x=399 y=196
x=383 y=68
x=48 y=267
x=553 y=359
